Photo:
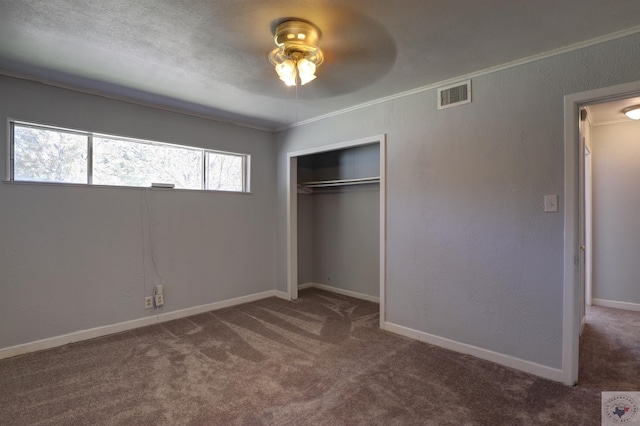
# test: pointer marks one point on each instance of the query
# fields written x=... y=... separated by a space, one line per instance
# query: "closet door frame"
x=292 y=212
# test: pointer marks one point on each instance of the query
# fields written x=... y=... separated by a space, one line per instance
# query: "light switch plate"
x=550 y=203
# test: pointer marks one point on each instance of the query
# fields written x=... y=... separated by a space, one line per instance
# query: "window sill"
x=84 y=185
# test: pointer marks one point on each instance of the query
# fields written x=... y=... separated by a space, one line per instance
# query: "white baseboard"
x=506 y=360
x=306 y=285
x=340 y=291
x=281 y=294
x=128 y=325
x=618 y=305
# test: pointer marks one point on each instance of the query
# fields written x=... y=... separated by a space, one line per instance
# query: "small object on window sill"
x=163 y=185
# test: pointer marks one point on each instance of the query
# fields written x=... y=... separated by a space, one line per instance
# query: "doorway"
x=292 y=211
x=576 y=291
x=615 y=138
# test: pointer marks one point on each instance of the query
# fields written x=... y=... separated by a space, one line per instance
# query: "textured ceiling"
x=210 y=56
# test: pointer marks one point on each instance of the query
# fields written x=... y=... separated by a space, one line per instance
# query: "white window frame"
x=246 y=158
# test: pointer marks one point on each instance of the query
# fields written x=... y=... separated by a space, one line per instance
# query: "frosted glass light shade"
x=287 y=72
x=632 y=112
x=306 y=70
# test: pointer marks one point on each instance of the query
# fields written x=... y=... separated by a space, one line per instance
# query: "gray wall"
x=346 y=238
x=471 y=256
x=305 y=238
x=616 y=212
x=75 y=257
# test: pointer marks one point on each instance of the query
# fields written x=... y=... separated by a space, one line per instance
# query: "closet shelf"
x=339 y=182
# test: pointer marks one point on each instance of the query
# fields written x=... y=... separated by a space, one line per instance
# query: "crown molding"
x=121 y=98
x=490 y=70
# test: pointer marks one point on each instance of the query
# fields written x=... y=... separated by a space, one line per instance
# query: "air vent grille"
x=455 y=94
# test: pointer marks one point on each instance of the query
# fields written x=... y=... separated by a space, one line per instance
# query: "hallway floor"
x=610 y=350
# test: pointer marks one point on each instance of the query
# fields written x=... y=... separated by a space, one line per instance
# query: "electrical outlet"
x=159 y=300
x=148 y=302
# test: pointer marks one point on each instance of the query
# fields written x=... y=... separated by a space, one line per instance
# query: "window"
x=48 y=154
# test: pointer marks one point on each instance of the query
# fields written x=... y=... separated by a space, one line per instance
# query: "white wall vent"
x=454 y=94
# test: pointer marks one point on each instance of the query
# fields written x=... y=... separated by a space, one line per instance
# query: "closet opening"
x=336 y=219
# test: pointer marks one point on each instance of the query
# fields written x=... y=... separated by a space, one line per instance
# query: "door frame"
x=588 y=223
x=571 y=322
x=292 y=212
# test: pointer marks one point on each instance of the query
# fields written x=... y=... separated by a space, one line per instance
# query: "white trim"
x=571 y=320
x=281 y=294
x=8 y=175
x=627 y=306
x=383 y=229
x=340 y=145
x=92 y=333
x=523 y=61
x=292 y=227
x=588 y=218
x=589 y=120
x=306 y=285
x=93 y=185
x=498 y=358
x=340 y=291
x=571 y=288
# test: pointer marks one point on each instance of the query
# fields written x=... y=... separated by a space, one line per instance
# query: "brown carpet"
x=319 y=361
x=610 y=350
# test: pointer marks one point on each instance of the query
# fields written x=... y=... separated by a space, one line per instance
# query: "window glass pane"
x=131 y=163
x=48 y=155
x=225 y=172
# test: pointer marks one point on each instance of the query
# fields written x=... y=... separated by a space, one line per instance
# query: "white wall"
x=76 y=257
x=471 y=256
x=616 y=212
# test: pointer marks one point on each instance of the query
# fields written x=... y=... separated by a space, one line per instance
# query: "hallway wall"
x=616 y=214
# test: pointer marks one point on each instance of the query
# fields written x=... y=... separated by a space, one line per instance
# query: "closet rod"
x=340 y=182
